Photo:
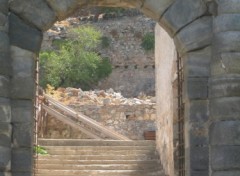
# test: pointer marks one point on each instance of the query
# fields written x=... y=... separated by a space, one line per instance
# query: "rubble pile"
x=128 y=116
x=75 y=96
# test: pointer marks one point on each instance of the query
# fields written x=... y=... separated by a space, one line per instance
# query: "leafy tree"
x=75 y=63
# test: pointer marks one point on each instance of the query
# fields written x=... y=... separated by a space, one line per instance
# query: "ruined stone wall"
x=130 y=121
x=128 y=116
x=133 y=67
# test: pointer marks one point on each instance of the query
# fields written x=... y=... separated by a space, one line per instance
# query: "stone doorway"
x=203 y=35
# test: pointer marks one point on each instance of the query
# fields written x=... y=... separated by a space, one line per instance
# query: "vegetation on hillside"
x=148 y=41
x=75 y=62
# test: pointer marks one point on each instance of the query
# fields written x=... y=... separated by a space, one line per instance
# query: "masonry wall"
x=133 y=68
x=165 y=56
x=130 y=121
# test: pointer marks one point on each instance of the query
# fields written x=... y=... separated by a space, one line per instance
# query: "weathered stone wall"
x=5 y=103
x=225 y=91
x=133 y=67
x=130 y=121
x=166 y=86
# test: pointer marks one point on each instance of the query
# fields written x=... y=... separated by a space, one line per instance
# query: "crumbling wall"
x=130 y=117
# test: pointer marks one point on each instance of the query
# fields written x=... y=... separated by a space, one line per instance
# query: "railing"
x=78 y=120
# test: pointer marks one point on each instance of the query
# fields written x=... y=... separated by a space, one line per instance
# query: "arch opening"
x=189 y=24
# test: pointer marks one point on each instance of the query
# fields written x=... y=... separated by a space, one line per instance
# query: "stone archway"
x=206 y=34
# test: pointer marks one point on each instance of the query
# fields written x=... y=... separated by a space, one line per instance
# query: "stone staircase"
x=71 y=157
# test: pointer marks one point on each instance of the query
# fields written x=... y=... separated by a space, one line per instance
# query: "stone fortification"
x=133 y=67
x=130 y=117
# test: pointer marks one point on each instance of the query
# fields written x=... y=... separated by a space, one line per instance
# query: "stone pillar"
x=225 y=91
x=5 y=107
x=25 y=43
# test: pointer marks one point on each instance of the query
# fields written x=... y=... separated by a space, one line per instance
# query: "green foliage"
x=117 y=10
x=105 y=42
x=40 y=150
x=148 y=41
x=76 y=62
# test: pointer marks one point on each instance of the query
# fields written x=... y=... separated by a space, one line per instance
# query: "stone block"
x=181 y=13
x=195 y=35
x=199 y=158
x=225 y=86
x=22 y=135
x=226 y=63
x=198 y=134
x=227 y=41
x=22 y=160
x=228 y=6
x=23 y=61
x=197 y=64
x=23 y=35
x=197 y=111
x=5 y=110
x=23 y=87
x=4 y=86
x=5 y=134
x=5 y=173
x=226 y=22
x=226 y=108
x=226 y=173
x=4 y=6
x=5 y=67
x=225 y=157
x=22 y=111
x=22 y=174
x=5 y=159
x=155 y=9
x=196 y=88
x=225 y=133
x=36 y=12
x=63 y=8
x=4 y=42
x=199 y=173
x=3 y=22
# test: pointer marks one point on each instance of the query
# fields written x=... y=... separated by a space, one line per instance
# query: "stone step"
x=99 y=152
x=94 y=148
x=99 y=157
x=80 y=142
x=46 y=172
x=98 y=166
x=77 y=162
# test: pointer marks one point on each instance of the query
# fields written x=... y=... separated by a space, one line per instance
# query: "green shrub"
x=105 y=42
x=76 y=63
x=40 y=150
x=148 y=41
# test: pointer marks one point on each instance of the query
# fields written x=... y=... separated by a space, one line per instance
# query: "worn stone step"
x=99 y=152
x=80 y=142
x=46 y=172
x=97 y=166
x=57 y=161
x=94 y=148
x=99 y=157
